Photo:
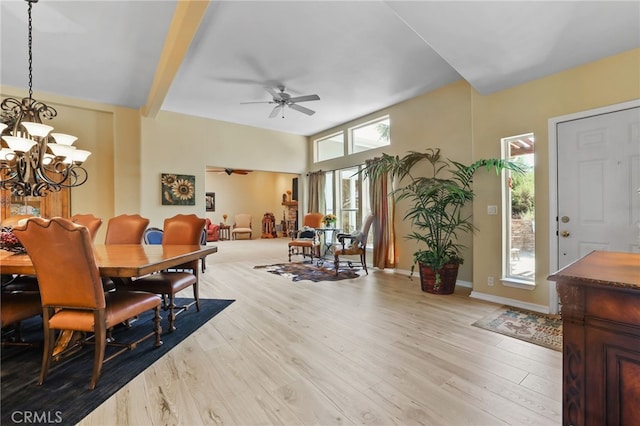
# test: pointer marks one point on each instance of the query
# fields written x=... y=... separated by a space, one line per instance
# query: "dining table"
x=120 y=260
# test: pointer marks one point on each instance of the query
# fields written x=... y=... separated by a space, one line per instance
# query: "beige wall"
x=468 y=126
x=255 y=193
x=181 y=144
x=527 y=108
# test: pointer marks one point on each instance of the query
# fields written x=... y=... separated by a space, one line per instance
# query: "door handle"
x=565 y=234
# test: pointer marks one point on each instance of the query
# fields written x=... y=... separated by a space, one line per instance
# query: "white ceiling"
x=358 y=56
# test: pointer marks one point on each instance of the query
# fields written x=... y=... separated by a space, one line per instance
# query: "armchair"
x=213 y=230
x=241 y=226
x=353 y=244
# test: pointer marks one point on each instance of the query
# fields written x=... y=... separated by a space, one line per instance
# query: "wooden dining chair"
x=90 y=221
x=71 y=290
x=305 y=241
x=15 y=308
x=179 y=229
x=126 y=229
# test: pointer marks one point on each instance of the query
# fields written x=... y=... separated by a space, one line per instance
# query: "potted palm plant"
x=435 y=210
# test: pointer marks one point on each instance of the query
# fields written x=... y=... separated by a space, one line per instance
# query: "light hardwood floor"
x=373 y=350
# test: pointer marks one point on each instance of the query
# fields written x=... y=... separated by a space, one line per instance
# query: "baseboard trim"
x=510 y=302
x=461 y=283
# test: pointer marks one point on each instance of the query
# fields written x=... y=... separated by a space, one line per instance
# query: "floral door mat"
x=533 y=327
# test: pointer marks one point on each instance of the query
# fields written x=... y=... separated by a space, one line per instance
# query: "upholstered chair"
x=126 y=229
x=354 y=244
x=71 y=290
x=212 y=230
x=305 y=241
x=152 y=236
x=241 y=226
x=180 y=229
x=90 y=221
x=15 y=308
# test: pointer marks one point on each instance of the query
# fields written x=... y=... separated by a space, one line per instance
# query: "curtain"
x=317 y=203
x=383 y=209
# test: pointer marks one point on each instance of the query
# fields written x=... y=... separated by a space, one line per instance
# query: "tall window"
x=347 y=196
x=519 y=222
x=329 y=147
x=371 y=135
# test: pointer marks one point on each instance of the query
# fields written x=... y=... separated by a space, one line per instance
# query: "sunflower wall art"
x=178 y=190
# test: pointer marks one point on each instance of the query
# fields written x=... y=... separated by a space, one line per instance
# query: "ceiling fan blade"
x=302 y=109
x=305 y=98
x=258 y=102
x=276 y=110
x=276 y=96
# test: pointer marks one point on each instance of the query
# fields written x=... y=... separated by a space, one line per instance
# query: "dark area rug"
x=533 y=327
x=299 y=271
x=65 y=398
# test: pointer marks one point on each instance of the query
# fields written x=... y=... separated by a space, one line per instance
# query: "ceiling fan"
x=282 y=99
x=230 y=171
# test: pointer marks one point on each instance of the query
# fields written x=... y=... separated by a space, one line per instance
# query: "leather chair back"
x=62 y=255
x=183 y=229
x=312 y=220
x=90 y=221
x=126 y=229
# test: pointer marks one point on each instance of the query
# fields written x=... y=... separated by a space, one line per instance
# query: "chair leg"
x=172 y=314
x=49 y=344
x=363 y=259
x=196 y=295
x=336 y=263
x=157 y=328
x=100 y=345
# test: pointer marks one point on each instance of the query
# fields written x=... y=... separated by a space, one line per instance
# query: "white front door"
x=595 y=184
x=598 y=183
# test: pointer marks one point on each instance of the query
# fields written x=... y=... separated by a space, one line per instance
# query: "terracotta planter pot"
x=448 y=277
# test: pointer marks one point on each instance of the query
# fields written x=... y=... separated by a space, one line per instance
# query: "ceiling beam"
x=185 y=23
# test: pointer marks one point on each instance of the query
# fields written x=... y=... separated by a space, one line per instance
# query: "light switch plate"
x=492 y=210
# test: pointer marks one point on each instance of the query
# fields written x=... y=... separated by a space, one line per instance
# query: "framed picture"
x=210 y=202
x=178 y=190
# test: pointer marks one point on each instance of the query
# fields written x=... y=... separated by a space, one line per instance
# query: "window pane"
x=328 y=192
x=330 y=147
x=370 y=136
x=520 y=210
x=349 y=199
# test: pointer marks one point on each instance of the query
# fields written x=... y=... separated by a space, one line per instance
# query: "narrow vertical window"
x=519 y=262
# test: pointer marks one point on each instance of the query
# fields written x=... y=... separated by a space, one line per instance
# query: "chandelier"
x=34 y=161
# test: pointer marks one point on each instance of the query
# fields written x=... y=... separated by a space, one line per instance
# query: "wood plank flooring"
x=373 y=350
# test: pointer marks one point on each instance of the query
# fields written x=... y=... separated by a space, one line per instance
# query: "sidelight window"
x=519 y=224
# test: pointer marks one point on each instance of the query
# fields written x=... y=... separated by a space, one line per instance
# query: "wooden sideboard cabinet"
x=600 y=296
x=52 y=205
